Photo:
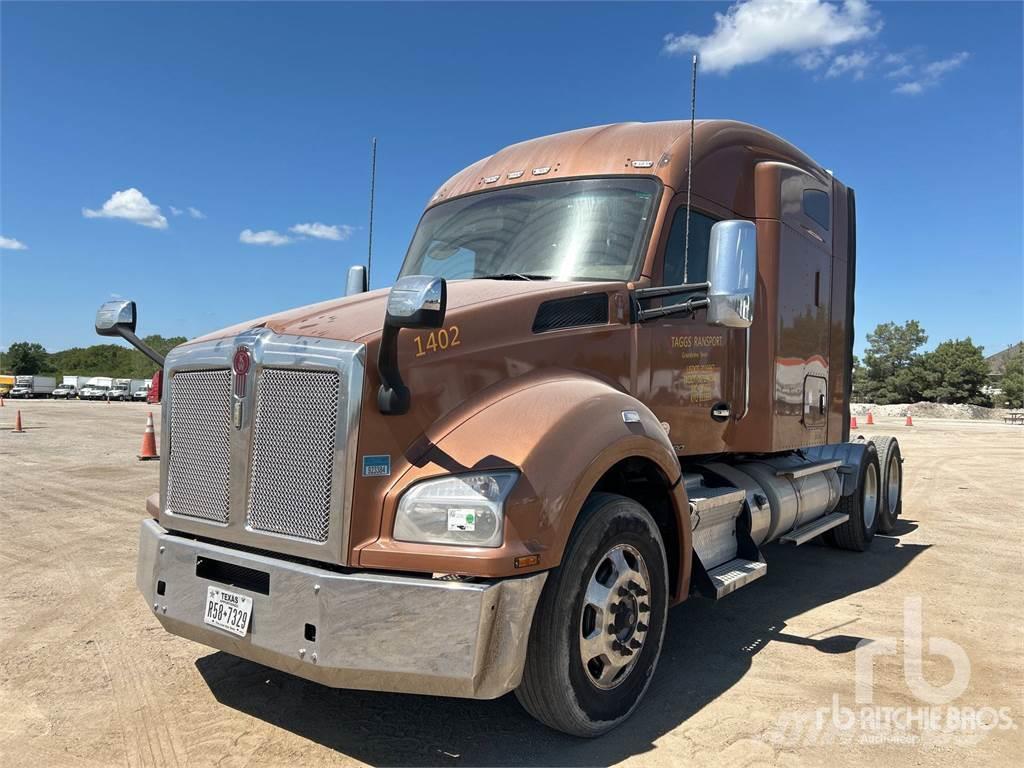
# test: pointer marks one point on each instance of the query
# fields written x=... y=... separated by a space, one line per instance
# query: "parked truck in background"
x=141 y=394
x=96 y=388
x=69 y=387
x=6 y=385
x=565 y=417
x=33 y=386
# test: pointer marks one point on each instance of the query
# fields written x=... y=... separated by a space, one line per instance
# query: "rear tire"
x=863 y=506
x=597 y=632
x=890 y=462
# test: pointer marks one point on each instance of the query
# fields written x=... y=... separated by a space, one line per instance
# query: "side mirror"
x=357 y=280
x=417 y=301
x=732 y=272
x=117 y=318
x=114 y=316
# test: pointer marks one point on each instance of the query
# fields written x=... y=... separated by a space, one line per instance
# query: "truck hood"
x=358 y=318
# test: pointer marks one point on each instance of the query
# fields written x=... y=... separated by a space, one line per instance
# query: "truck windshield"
x=565 y=230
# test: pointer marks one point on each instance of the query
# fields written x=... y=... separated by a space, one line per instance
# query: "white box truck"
x=33 y=386
x=69 y=387
x=96 y=388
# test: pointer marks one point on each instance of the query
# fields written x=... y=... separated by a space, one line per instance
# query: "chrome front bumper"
x=373 y=632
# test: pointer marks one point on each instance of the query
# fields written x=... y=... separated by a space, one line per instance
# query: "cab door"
x=692 y=390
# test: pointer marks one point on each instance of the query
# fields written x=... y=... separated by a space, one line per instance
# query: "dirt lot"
x=88 y=677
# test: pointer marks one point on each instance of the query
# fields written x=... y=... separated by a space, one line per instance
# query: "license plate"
x=228 y=610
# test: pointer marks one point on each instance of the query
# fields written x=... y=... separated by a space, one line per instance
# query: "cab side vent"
x=572 y=312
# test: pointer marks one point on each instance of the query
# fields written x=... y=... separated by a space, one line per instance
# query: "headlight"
x=466 y=510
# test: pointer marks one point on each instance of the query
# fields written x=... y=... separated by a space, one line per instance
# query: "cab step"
x=805 y=533
x=730 y=576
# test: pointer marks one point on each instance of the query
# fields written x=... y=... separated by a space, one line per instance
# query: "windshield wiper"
x=512 y=276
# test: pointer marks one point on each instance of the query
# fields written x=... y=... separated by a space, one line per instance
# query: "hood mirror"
x=114 y=316
x=732 y=273
x=417 y=301
x=118 y=318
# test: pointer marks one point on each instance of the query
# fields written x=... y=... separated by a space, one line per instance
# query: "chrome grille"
x=293 y=445
x=199 y=464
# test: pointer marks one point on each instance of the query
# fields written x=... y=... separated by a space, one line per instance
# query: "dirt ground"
x=88 y=677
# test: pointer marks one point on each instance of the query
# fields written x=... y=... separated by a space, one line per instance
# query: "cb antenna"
x=373 y=178
x=689 y=171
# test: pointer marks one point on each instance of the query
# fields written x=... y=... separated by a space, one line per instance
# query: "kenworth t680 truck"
x=588 y=397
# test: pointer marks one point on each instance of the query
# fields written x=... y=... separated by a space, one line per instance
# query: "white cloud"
x=938 y=68
x=753 y=30
x=911 y=88
x=855 y=62
x=175 y=211
x=928 y=76
x=811 y=60
x=324 y=231
x=132 y=205
x=265 y=237
x=10 y=244
x=195 y=213
x=901 y=73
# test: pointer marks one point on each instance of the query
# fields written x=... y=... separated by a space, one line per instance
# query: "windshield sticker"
x=377 y=466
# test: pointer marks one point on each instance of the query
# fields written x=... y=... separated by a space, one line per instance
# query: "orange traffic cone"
x=17 y=422
x=149 y=442
x=853 y=422
x=871 y=420
x=1 y=402
x=910 y=421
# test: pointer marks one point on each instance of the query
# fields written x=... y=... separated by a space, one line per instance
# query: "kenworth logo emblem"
x=241 y=364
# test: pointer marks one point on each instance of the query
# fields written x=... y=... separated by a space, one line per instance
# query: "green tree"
x=890 y=374
x=1012 y=383
x=24 y=358
x=955 y=372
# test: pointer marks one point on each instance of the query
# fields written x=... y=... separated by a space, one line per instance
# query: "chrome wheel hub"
x=893 y=487
x=615 y=616
x=870 y=496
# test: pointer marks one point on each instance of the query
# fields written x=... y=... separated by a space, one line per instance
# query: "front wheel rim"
x=615 y=619
x=870 y=496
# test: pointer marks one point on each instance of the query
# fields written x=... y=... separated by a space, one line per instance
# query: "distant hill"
x=998 y=361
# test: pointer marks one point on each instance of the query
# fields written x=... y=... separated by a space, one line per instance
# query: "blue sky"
x=259 y=116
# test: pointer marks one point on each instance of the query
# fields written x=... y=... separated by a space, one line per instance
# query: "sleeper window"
x=700 y=240
x=816 y=206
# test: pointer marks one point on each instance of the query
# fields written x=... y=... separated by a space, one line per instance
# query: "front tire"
x=600 y=621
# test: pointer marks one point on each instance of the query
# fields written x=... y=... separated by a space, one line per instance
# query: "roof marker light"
x=491 y=179
x=515 y=174
x=643 y=163
x=541 y=171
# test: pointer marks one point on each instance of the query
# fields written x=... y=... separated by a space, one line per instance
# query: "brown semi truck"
x=588 y=396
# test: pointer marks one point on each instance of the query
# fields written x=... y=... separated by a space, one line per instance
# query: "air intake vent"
x=199 y=467
x=571 y=313
x=293 y=444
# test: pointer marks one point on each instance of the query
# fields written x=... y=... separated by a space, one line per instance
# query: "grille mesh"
x=199 y=466
x=293 y=443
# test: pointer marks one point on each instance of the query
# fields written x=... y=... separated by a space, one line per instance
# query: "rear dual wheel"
x=890 y=461
x=863 y=507
x=598 y=628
